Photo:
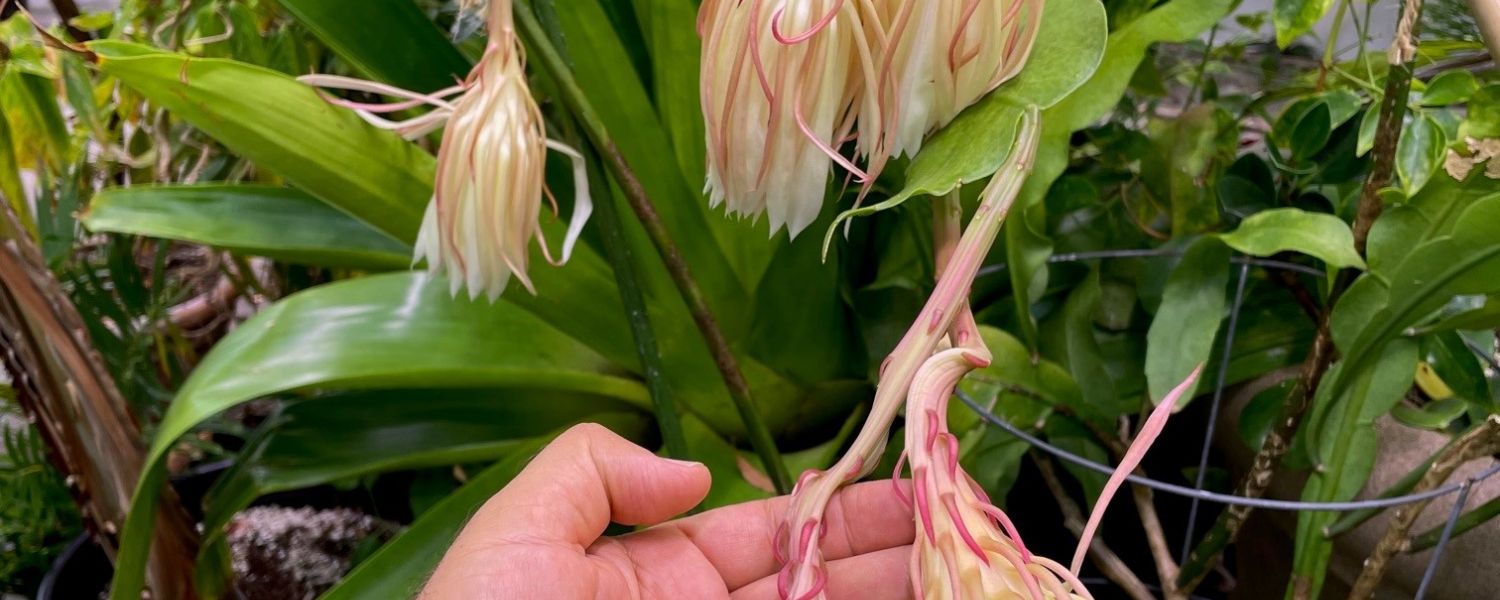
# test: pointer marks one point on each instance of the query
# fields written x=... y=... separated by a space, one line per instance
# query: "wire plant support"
x=1197 y=494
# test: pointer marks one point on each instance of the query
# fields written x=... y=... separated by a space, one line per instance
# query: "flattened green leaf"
x=1082 y=353
x=285 y=127
x=280 y=223
x=1319 y=235
x=1182 y=335
x=1347 y=445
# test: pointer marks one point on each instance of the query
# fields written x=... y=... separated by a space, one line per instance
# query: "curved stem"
x=549 y=60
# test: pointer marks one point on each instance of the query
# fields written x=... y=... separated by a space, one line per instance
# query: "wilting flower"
x=942 y=56
x=490 y=183
x=778 y=81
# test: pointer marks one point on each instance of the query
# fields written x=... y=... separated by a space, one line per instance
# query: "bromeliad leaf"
x=1323 y=236
x=275 y=222
x=393 y=42
x=285 y=127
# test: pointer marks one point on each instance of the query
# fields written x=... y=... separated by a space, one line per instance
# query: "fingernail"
x=684 y=463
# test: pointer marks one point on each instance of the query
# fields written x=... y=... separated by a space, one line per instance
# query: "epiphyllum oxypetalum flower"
x=942 y=56
x=490 y=175
x=779 y=78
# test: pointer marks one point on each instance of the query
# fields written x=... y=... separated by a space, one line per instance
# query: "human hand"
x=540 y=536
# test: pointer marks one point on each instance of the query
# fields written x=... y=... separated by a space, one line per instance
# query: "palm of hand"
x=539 y=537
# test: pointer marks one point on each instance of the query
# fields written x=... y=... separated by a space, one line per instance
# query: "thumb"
x=583 y=480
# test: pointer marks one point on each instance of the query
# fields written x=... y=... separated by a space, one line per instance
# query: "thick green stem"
x=668 y=420
x=547 y=58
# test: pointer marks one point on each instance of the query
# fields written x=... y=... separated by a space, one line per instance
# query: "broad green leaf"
x=1342 y=106
x=1182 y=334
x=280 y=223
x=1419 y=152
x=1347 y=444
x=1296 y=17
x=387 y=331
x=1013 y=376
x=1027 y=248
x=10 y=179
x=1319 y=235
x=1069 y=46
x=403 y=564
x=285 y=127
x=1260 y=413
x=393 y=42
x=1449 y=87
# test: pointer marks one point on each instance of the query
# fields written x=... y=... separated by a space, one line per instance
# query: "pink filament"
x=778 y=543
x=963 y=530
x=919 y=490
x=784 y=582
x=932 y=429
x=820 y=581
x=896 y=480
x=1010 y=528
x=820 y=25
x=804 y=549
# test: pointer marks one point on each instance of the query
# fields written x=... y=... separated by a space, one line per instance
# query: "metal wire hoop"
x=1196 y=493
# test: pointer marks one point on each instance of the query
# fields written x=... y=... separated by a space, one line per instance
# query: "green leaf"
x=1182 y=335
x=1259 y=414
x=1082 y=355
x=1431 y=213
x=36 y=124
x=387 y=331
x=280 y=223
x=1026 y=252
x=285 y=127
x=1310 y=131
x=1347 y=444
x=393 y=42
x=403 y=564
x=1485 y=316
x=1459 y=369
x=1022 y=389
x=1484 y=113
x=1419 y=152
x=1296 y=17
x=1319 y=235
x=1069 y=46
x=1449 y=87
x=1368 y=124
x=603 y=70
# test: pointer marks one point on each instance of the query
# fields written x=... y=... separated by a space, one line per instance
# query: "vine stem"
x=549 y=60
x=1289 y=418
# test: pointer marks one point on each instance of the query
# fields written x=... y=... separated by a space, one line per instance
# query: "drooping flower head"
x=941 y=57
x=778 y=80
x=490 y=185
